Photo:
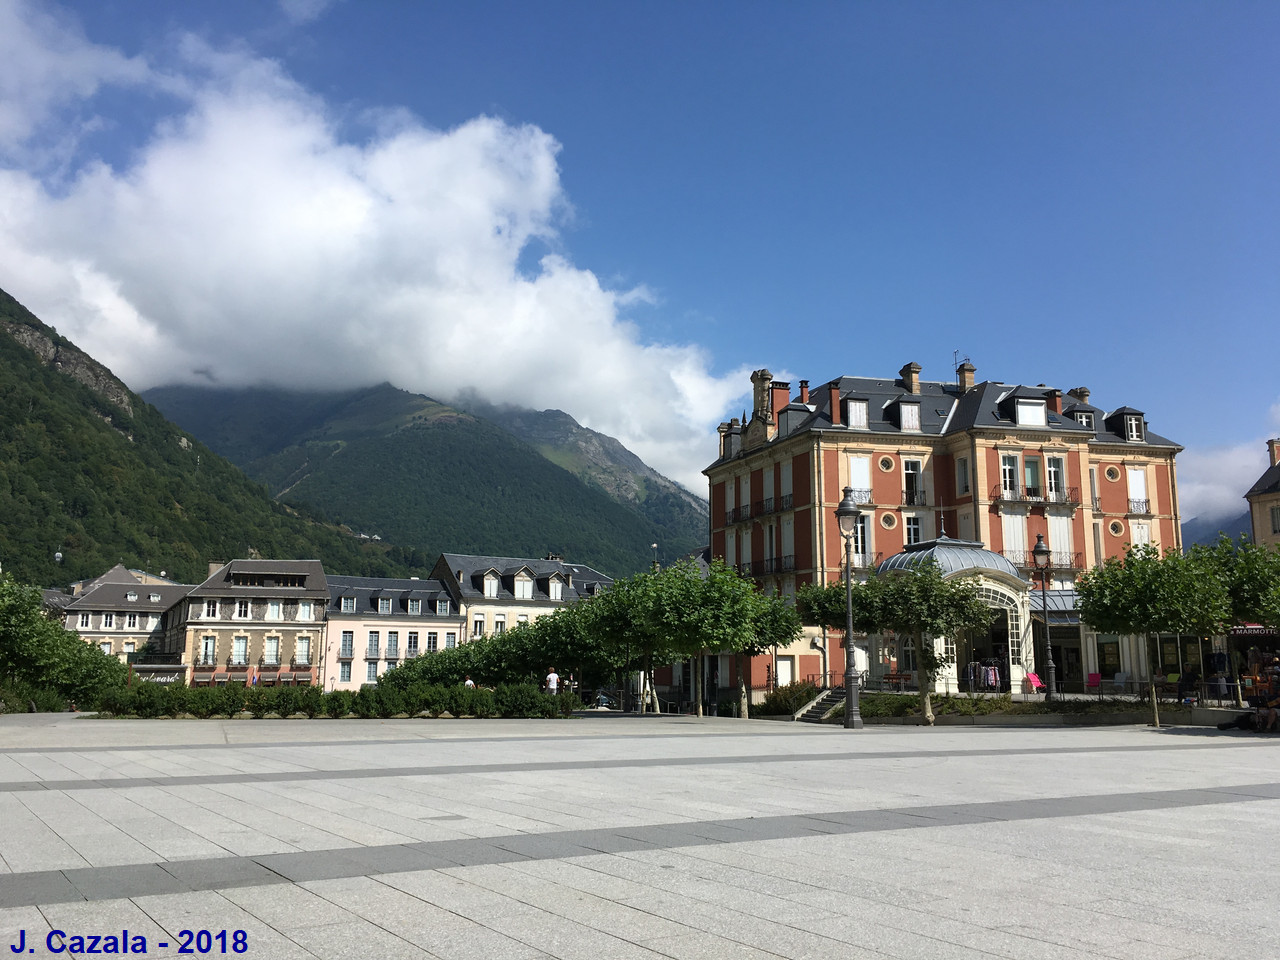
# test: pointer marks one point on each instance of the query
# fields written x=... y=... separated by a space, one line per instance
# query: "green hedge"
x=786 y=699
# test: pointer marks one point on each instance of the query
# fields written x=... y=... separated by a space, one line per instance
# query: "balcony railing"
x=393 y=652
x=914 y=498
x=1139 y=506
x=1065 y=495
x=760 y=507
x=865 y=561
x=205 y=660
x=371 y=653
x=785 y=501
x=1058 y=559
x=346 y=652
x=767 y=566
x=860 y=496
x=1097 y=504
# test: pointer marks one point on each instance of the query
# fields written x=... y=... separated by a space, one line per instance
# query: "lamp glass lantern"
x=848 y=516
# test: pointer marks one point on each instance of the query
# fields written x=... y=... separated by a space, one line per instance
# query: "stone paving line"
x=656 y=839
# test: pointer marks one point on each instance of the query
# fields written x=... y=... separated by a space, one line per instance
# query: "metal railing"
x=785 y=501
x=1064 y=495
x=1058 y=559
x=371 y=652
x=861 y=496
x=1139 y=506
x=914 y=498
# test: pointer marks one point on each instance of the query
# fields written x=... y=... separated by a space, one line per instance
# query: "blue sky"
x=624 y=208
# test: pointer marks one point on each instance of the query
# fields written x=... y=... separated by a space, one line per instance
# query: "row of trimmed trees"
x=660 y=616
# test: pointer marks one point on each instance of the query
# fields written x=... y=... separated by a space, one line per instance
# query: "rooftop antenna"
x=955 y=363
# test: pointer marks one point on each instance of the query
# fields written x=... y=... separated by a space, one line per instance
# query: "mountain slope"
x=1196 y=530
x=601 y=461
x=409 y=469
x=89 y=469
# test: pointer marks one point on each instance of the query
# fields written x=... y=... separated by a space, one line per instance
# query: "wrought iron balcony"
x=913 y=498
x=371 y=653
x=1139 y=506
x=866 y=561
x=1065 y=495
x=785 y=501
x=1058 y=559
x=760 y=507
x=862 y=496
x=346 y=652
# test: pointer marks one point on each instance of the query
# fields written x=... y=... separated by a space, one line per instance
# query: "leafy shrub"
x=786 y=699
x=337 y=703
x=391 y=702
x=258 y=702
x=202 y=702
x=886 y=705
x=310 y=701
x=365 y=703
x=115 y=701
x=231 y=699
x=518 y=700
x=148 y=699
x=482 y=703
x=285 y=701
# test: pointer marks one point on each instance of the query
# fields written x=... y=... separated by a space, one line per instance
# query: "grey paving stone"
x=123 y=881
x=31 y=889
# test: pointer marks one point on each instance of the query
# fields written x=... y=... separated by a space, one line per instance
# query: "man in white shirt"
x=553 y=681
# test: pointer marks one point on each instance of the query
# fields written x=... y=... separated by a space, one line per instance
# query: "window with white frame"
x=857 y=413
x=1031 y=413
x=348 y=604
x=912 y=526
x=105 y=647
x=450 y=640
x=910 y=413
x=347 y=647
x=344 y=671
x=154 y=598
x=411 y=643
x=305 y=611
x=913 y=482
x=432 y=641
x=240 y=650
x=1085 y=419
x=555 y=587
x=1031 y=473
x=384 y=604
x=153 y=621
x=524 y=588
x=393 y=644
x=211 y=609
x=477 y=627
x=415 y=607
x=1139 y=533
x=861 y=546
x=371 y=670
x=108 y=621
x=1132 y=427
x=131 y=621
x=1009 y=475
x=129 y=646
x=208 y=649
x=442 y=608
x=275 y=610
x=271 y=651
x=302 y=651
x=375 y=640
x=1056 y=473
x=500 y=624
x=84 y=621
x=131 y=596
x=242 y=609
x=491 y=586
x=962 y=475
x=522 y=618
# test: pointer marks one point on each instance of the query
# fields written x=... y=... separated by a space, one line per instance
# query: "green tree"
x=920 y=603
x=775 y=623
x=1251 y=573
x=1148 y=593
x=35 y=649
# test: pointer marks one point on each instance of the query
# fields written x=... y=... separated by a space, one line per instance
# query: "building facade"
x=256 y=621
x=374 y=624
x=1264 y=500
x=990 y=463
x=120 y=614
x=495 y=594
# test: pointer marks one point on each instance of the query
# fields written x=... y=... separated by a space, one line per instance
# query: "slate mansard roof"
x=466 y=573
x=948 y=408
x=367 y=591
x=275 y=579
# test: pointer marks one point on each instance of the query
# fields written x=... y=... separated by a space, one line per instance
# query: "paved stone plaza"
x=620 y=837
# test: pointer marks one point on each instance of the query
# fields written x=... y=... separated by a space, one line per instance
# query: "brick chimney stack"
x=1080 y=393
x=1055 y=401
x=779 y=397
x=834 y=387
x=910 y=375
x=804 y=391
x=964 y=375
x=1273 y=448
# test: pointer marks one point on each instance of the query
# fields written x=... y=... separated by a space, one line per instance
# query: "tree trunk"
x=653 y=689
x=699 y=680
x=923 y=681
x=644 y=683
x=744 y=700
x=1153 y=646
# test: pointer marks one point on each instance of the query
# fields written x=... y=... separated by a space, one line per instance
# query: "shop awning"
x=1058 y=618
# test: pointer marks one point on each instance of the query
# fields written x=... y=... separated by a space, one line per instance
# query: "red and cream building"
x=988 y=462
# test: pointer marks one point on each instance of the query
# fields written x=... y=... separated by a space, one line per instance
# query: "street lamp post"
x=1042 y=558
x=848 y=516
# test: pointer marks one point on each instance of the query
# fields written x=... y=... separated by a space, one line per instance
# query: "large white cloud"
x=1212 y=481
x=250 y=240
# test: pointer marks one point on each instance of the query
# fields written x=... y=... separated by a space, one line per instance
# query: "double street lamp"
x=1042 y=558
x=849 y=516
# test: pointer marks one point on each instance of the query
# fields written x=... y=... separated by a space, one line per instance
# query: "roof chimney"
x=910 y=377
x=1080 y=393
x=834 y=388
x=215 y=566
x=1055 y=401
x=760 y=380
x=779 y=397
x=804 y=391
x=1273 y=448
x=964 y=375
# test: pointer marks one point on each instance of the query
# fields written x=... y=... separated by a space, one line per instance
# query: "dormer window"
x=1085 y=419
x=856 y=414
x=348 y=604
x=384 y=604
x=556 y=589
x=442 y=608
x=415 y=607
x=524 y=588
x=1031 y=413
x=1133 y=427
x=154 y=598
x=491 y=586
x=131 y=596
x=910 y=414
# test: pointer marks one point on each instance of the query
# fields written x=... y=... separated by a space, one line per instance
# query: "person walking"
x=553 y=681
x=469 y=683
